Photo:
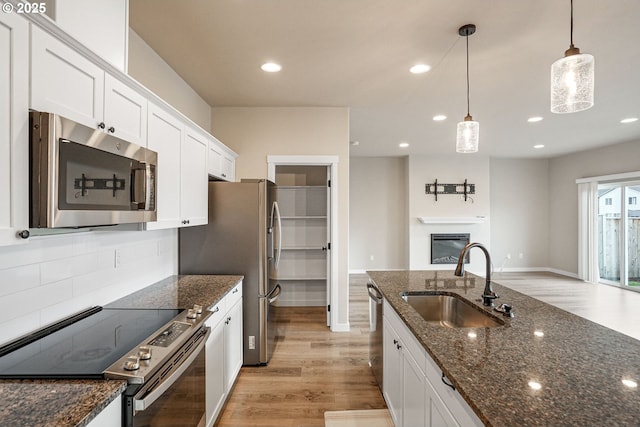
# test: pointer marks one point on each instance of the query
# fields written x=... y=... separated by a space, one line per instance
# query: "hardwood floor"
x=312 y=370
x=609 y=306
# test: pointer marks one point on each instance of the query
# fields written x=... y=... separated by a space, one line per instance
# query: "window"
x=633 y=200
x=608 y=201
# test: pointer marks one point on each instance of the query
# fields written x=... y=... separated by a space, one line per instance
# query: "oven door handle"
x=142 y=404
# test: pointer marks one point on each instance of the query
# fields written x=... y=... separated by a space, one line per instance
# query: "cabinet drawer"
x=234 y=295
x=218 y=310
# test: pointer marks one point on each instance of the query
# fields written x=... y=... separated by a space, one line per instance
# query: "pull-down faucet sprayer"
x=488 y=295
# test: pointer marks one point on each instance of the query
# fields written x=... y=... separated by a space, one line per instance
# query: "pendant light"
x=572 y=80
x=468 y=133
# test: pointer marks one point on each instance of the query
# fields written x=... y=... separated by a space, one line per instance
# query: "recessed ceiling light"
x=403 y=145
x=534 y=119
x=439 y=117
x=271 y=67
x=420 y=68
x=629 y=120
x=538 y=146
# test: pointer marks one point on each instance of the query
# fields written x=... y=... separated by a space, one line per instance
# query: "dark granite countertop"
x=579 y=364
x=74 y=403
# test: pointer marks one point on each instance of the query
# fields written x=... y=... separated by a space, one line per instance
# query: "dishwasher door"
x=375 y=332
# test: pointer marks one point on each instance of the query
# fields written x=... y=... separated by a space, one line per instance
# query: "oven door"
x=175 y=396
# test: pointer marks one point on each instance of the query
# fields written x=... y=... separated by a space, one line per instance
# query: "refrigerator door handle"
x=275 y=213
x=271 y=297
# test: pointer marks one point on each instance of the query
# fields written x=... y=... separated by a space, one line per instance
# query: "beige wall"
x=519 y=213
x=149 y=69
x=377 y=213
x=563 y=195
x=453 y=169
x=255 y=133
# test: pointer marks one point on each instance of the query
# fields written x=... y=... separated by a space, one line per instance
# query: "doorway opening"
x=305 y=199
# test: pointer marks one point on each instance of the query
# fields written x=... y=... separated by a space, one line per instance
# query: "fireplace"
x=445 y=248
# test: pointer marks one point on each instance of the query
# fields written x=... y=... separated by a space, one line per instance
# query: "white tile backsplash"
x=52 y=277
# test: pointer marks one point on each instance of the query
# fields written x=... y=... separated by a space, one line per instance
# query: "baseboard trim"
x=341 y=327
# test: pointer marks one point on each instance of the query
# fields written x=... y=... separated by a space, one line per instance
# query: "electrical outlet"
x=521 y=255
x=252 y=342
x=117 y=259
x=371 y=257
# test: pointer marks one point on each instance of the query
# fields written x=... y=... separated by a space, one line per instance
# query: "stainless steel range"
x=159 y=352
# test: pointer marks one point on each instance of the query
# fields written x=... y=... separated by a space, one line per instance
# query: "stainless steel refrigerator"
x=242 y=237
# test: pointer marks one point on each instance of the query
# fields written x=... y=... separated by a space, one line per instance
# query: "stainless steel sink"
x=449 y=311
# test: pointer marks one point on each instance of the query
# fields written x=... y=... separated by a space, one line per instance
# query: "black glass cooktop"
x=87 y=347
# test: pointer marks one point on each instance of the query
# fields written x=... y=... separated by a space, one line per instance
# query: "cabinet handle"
x=217 y=309
x=101 y=125
x=444 y=380
x=111 y=130
x=398 y=346
x=24 y=234
x=224 y=175
x=235 y=291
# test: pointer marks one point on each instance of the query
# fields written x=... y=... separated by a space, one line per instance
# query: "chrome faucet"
x=488 y=295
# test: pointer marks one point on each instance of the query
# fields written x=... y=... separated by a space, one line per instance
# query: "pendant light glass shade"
x=468 y=136
x=572 y=80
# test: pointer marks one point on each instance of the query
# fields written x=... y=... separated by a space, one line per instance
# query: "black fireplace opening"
x=446 y=248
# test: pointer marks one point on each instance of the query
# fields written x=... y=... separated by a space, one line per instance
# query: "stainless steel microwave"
x=81 y=177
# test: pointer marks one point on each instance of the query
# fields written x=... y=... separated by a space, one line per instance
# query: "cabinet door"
x=165 y=136
x=65 y=82
x=214 y=371
x=228 y=168
x=233 y=344
x=101 y=25
x=14 y=127
x=194 y=179
x=437 y=413
x=125 y=111
x=413 y=390
x=392 y=372
x=214 y=161
x=109 y=416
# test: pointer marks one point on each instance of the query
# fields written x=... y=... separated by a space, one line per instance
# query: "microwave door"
x=90 y=179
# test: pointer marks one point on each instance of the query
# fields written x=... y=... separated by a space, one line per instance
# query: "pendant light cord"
x=468 y=109
x=571 y=36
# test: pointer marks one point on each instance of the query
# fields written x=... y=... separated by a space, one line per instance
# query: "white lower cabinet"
x=412 y=386
x=223 y=351
x=110 y=416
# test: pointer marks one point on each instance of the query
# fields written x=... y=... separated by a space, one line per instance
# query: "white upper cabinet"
x=222 y=162
x=125 y=111
x=65 y=82
x=14 y=128
x=165 y=136
x=194 y=191
x=101 y=25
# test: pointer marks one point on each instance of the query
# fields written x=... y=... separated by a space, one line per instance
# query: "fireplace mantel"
x=451 y=219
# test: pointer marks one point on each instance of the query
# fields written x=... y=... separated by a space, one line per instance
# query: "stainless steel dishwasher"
x=375 y=332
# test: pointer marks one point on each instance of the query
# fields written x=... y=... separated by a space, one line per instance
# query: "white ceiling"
x=357 y=54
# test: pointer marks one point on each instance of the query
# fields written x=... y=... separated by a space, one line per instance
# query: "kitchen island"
x=75 y=403
x=544 y=367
